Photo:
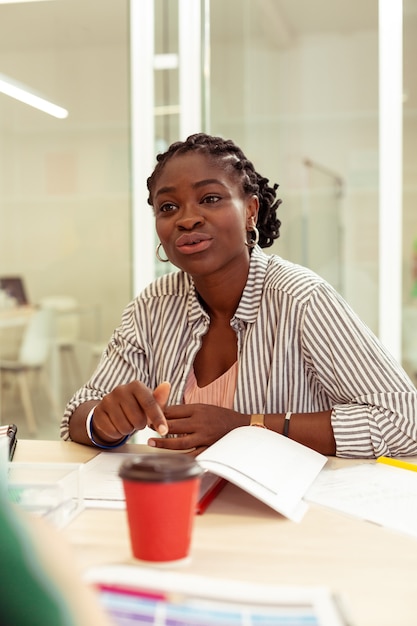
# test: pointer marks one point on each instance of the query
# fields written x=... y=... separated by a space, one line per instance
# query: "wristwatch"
x=257 y=419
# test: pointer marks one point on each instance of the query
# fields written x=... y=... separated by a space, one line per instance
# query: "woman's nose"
x=189 y=218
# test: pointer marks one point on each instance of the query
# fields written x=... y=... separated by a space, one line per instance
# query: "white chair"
x=32 y=359
x=66 y=332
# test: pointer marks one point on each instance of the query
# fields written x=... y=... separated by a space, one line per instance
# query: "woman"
x=236 y=336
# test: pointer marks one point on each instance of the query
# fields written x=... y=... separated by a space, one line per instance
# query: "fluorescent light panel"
x=20 y=1
x=24 y=94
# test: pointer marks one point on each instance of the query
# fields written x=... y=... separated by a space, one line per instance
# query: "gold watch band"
x=257 y=419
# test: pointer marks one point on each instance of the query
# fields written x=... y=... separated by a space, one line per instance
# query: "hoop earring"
x=158 y=256
x=254 y=239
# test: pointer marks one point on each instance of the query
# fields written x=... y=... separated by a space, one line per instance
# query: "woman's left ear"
x=252 y=210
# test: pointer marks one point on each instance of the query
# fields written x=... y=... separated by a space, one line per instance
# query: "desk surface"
x=15 y=316
x=240 y=538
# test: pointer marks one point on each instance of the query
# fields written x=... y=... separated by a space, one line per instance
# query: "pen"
x=397 y=463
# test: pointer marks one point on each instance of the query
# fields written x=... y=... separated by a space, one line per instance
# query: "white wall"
x=65 y=184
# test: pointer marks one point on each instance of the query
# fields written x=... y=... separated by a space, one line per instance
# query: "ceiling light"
x=19 y=1
x=24 y=94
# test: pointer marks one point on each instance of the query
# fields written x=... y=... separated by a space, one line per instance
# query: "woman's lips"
x=193 y=242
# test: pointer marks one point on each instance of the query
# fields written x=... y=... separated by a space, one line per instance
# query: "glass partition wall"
x=65 y=183
x=65 y=198
x=296 y=87
x=409 y=248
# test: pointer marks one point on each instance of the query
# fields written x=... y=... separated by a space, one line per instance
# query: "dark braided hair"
x=252 y=183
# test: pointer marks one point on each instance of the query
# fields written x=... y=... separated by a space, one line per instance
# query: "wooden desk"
x=240 y=538
x=16 y=316
x=12 y=325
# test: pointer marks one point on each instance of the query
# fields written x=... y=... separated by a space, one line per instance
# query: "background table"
x=12 y=325
x=372 y=568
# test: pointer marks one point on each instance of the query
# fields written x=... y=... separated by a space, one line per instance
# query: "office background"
x=294 y=83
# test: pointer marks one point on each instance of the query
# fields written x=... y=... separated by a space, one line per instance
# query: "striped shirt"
x=300 y=348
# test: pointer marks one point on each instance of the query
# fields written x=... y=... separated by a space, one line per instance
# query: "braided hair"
x=232 y=156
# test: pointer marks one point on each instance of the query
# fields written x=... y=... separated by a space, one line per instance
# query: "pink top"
x=220 y=392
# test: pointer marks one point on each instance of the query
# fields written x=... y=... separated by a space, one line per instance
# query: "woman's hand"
x=194 y=427
x=128 y=408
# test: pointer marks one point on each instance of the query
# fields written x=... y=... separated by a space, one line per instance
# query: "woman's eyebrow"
x=199 y=183
x=164 y=190
x=208 y=181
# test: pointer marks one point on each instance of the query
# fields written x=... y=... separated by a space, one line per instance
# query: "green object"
x=28 y=595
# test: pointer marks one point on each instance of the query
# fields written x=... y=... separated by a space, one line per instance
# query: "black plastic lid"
x=160 y=468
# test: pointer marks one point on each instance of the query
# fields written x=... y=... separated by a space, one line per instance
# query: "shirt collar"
x=252 y=293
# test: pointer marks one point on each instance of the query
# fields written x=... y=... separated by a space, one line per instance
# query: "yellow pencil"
x=397 y=463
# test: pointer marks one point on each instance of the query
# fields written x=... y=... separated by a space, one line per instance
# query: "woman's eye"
x=167 y=207
x=211 y=199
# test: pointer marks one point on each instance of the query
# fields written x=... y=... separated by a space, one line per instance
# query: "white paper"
x=374 y=492
x=273 y=468
x=102 y=486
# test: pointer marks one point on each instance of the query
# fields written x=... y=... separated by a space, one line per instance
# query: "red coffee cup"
x=161 y=495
